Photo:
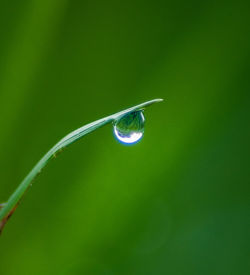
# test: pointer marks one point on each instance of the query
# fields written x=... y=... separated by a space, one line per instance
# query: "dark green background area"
x=178 y=202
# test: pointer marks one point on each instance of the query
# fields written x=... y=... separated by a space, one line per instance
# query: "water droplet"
x=130 y=128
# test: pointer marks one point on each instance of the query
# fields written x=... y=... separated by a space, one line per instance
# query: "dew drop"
x=130 y=128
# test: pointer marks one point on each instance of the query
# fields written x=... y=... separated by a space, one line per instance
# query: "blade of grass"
x=9 y=207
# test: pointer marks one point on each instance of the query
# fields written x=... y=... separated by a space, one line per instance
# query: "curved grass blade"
x=8 y=208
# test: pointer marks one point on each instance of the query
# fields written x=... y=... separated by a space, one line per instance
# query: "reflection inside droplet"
x=130 y=128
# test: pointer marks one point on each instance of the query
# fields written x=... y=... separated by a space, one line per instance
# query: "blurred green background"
x=178 y=202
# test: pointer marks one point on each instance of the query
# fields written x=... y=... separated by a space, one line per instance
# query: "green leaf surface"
x=66 y=141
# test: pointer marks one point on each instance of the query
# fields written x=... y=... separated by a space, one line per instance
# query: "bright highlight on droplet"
x=130 y=128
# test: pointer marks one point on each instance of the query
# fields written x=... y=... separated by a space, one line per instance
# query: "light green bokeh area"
x=175 y=203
